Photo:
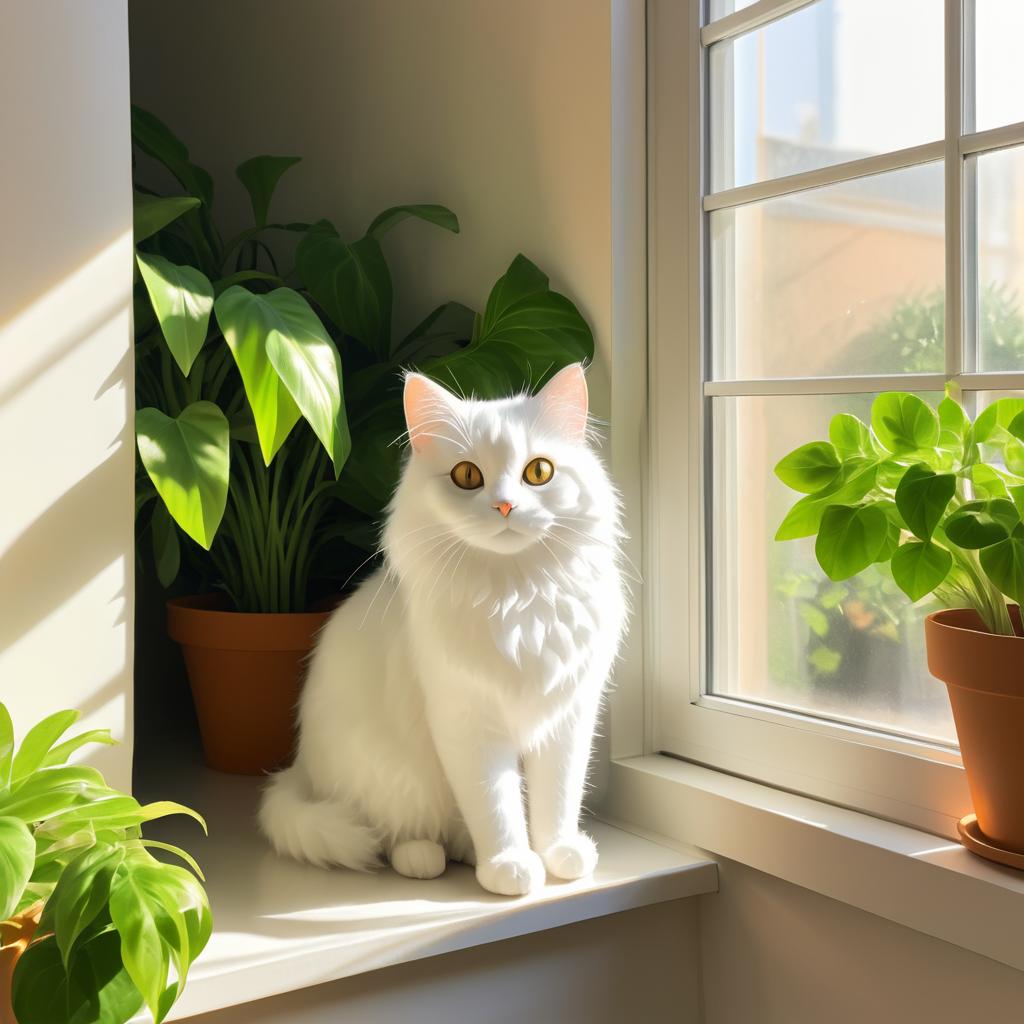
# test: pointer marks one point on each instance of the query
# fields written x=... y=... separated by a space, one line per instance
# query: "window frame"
x=891 y=776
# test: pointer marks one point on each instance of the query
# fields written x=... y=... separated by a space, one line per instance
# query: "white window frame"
x=890 y=776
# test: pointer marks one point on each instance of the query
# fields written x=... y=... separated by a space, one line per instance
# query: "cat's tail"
x=322 y=832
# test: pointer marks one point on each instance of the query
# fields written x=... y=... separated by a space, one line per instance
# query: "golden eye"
x=538 y=471
x=467 y=476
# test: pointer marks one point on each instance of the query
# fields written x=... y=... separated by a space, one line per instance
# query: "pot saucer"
x=977 y=842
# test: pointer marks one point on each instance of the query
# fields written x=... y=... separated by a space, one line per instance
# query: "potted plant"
x=940 y=500
x=269 y=407
x=92 y=925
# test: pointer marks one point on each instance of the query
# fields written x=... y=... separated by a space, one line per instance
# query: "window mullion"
x=956 y=363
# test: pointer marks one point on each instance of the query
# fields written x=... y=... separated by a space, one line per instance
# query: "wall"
x=66 y=447
x=641 y=965
x=774 y=953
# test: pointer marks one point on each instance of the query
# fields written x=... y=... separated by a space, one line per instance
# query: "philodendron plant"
x=118 y=927
x=269 y=402
x=937 y=497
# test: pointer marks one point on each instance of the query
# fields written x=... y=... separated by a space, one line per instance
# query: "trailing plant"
x=119 y=928
x=269 y=401
x=937 y=497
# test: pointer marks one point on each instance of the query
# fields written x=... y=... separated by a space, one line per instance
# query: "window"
x=836 y=210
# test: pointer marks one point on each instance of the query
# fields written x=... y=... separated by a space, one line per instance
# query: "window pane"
x=834 y=81
x=845 y=279
x=1000 y=178
x=783 y=633
x=720 y=8
x=999 y=74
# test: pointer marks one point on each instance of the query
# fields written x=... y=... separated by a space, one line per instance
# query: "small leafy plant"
x=119 y=928
x=937 y=497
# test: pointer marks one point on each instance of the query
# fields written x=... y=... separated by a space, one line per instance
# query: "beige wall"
x=66 y=449
x=774 y=953
x=498 y=110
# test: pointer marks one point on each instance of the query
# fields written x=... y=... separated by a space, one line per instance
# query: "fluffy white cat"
x=473 y=661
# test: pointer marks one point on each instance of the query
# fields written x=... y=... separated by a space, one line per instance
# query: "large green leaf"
x=848 y=435
x=187 y=459
x=810 y=467
x=153 y=137
x=443 y=331
x=1004 y=565
x=527 y=333
x=922 y=497
x=60 y=753
x=996 y=418
x=260 y=176
x=351 y=282
x=6 y=745
x=38 y=741
x=182 y=299
x=903 y=422
x=849 y=539
x=97 y=990
x=166 y=549
x=857 y=478
x=17 y=858
x=152 y=213
x=918 y=568
x=51 y=790
x=429 y=212
x=287 y=361
x=980 y=524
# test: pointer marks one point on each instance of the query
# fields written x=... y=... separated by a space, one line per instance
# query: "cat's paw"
x=418 y=858
x=511 y=873
x=571 y=858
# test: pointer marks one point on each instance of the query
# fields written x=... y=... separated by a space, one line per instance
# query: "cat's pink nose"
x=504 y=507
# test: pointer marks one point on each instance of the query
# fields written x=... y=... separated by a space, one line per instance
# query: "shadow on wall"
x=66 y=525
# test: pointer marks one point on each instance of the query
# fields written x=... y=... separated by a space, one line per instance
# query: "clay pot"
x=245 y=671
x=15 y=935
x=984 y=674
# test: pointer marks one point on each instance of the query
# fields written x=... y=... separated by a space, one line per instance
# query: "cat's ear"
x=427 y=406
x=564 y=402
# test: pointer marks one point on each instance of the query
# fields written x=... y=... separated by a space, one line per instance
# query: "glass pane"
x=835 y=81
x=720 y=8
x=845 y=279
x=783 y=633
x=1000 y=183
x=999 y=73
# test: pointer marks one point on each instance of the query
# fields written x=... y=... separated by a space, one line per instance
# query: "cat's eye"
x=467 y=476
x=538 y=471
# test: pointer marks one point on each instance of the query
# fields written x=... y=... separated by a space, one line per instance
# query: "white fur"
x=474 y=661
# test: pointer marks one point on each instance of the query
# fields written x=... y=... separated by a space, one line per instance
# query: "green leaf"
x=154 y=138
x=903 y=422
x=284 y=352
x=848 y=435
x=816 y=619
x=527 y=333
x=810 y=467
x=6 y=745
x=153 y=213
x=979 y=524
x=922 y=497
x=115 y=810
x=97 y=990
x=429 y=212
x=953 y=423
x=182 y=299
x=221 y=286
x=260 y=176
x=49 y=791
x=38 y=741
x=849 y=539
x=996 y=419
x=60 y=753
x=166 y=550
x=1004 y=565
x=188 y=460
x=439 y=334
x=918 y=568
x=81 y=893
x=988 y=482
x=17 y=859
x=857 y=478
x=825 y=660
x=1016 y=495
x=351 y=282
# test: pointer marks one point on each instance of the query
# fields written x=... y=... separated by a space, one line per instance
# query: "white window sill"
x=913 y=878
x=281 y=926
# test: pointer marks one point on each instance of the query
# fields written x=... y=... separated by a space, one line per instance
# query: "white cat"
x=473 y=661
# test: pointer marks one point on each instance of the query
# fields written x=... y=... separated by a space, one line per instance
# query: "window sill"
x=910 y=877
x=281 y=926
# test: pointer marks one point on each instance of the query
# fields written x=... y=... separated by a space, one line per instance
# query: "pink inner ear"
x=425 y=406
x=565 y=402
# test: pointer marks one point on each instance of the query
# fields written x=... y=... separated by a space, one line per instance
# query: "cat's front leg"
x=483 y=770
x=556 y=775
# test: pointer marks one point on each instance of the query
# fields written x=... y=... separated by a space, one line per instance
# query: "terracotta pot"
x=984 y=674
x=245 y=671
x=15 y=935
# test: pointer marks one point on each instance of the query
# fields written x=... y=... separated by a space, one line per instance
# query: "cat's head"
x=505 y=475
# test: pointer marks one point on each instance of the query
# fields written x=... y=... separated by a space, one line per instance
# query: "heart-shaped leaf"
x=918 y=568
x=1004 y=565
x=260 y=176
x=996 y=418
x=849 y=539
x=854 y=481
x=922 y=497
x=166 y=550
x=903 y=422
x=182 y=299
x=980 y=524
x=153 y=213
x=17 y=858
x=187 y=459
x=810 y=468
x=848 y=435
x=429 y=212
